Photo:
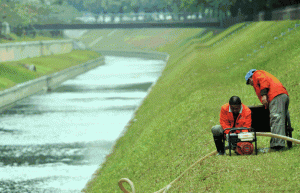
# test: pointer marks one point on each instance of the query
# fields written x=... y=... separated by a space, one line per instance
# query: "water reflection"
x=54 y=142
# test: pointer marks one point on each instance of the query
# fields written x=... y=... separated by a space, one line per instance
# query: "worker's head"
x=235 y=104
x=248 y=77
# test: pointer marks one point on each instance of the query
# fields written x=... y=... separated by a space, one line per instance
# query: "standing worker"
x=233 y=115
x=273 y=95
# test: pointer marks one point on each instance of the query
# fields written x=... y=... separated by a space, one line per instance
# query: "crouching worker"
x=233 y=115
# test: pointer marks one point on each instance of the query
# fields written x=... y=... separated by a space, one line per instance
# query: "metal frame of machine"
x=233 y=138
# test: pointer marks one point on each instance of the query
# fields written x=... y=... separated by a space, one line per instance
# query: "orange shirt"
x=262 y=80
x=227 y=119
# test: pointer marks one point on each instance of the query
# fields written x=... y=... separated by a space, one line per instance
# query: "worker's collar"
x=240 y=110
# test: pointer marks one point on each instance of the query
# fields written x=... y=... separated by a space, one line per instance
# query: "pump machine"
x=242 y=143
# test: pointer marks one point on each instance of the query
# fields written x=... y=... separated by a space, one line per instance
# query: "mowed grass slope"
x=14 y=72
x=172 y=128
x=151 y=39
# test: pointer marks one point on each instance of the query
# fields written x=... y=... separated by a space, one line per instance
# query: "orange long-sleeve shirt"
x=227 y=119
x=264 y=80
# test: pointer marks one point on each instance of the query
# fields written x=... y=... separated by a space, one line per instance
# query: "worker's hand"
x=264 y=101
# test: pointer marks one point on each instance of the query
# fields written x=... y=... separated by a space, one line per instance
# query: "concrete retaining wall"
x=9 y=96
x=138 y=54
x=22 y=50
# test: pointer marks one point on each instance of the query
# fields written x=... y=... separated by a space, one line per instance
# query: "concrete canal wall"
x=22 y=50
x=138 y=54
x=9 y=96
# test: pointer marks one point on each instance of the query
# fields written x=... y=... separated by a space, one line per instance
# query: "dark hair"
x=249 y=79
x=235 y=100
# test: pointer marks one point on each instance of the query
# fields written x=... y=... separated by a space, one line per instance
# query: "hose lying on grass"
x=165 y=189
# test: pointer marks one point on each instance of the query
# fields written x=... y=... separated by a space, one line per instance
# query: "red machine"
x=242 y=143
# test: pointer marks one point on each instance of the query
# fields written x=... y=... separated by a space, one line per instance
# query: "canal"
x=55 y=141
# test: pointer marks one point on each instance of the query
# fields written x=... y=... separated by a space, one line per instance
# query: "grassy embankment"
x=151 y=39
x=171 y=130
x=13 y=72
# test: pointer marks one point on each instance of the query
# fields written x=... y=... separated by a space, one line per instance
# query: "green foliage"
x=62 y=13
x=25 y=13
x=29 y=12
x=171 y=129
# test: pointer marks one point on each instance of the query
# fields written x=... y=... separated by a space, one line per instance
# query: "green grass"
x=137 y=39
x=171 y=130
x=13 y=72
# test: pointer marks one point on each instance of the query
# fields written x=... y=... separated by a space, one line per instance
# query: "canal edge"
x=10 y=96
